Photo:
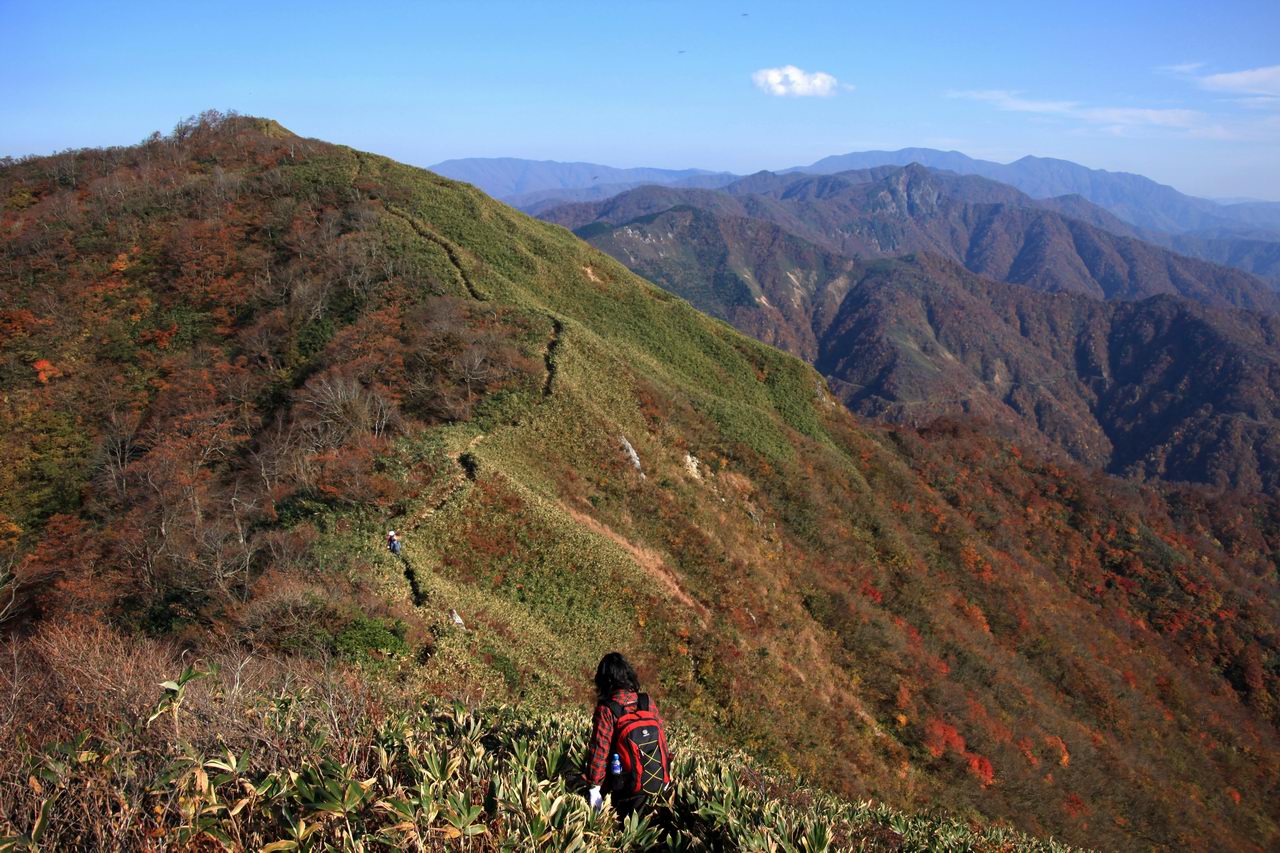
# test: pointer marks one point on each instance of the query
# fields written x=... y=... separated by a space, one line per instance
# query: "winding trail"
x=468 y=465
x=466 y=474
x=449 y=249
x=548 y=357
x=465 y=459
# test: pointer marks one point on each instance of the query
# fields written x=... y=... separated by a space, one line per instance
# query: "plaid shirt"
x=600 y=747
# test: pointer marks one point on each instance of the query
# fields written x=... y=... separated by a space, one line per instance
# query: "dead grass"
x=646 y=558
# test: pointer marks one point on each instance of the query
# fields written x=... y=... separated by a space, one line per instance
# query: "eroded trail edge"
x=549 y=357
x=450 y=250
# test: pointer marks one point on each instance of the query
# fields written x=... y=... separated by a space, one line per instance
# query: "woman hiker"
x=627 y=755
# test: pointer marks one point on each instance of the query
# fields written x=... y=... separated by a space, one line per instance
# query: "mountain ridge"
x=1134 y=198
x=990 y=227
x=1048 y=369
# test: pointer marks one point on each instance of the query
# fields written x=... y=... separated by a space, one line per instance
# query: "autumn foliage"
x=230 y=360
x=248 y=350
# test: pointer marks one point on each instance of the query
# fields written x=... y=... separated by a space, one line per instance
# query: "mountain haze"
x=511 y=177
x=1134 y=198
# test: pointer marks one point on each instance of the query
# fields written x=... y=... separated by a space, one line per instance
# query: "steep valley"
x=1163 y=378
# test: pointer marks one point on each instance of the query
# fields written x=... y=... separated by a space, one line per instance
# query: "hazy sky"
x=1187 y=93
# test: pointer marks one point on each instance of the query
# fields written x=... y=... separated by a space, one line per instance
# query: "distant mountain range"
x=1134 y=198
x=1122 y=354
x=1244 y=234
x=508 y=178
x=989 y=227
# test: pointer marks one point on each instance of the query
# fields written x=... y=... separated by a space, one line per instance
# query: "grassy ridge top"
x=232 y=359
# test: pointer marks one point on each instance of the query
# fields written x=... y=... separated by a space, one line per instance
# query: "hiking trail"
x=415 y=588
x=450 y=250
x=466 y=473
x=548 y=357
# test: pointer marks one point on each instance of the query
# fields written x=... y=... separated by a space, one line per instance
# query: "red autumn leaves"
x=942 y=737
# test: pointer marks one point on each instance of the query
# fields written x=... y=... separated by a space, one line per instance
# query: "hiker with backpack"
x=393 y=542
x=627 y=755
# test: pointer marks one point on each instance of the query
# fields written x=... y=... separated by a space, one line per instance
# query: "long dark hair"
x=614 y=674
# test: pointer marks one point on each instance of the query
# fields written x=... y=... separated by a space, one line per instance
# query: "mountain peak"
x=1136 y=199
x=271 y=128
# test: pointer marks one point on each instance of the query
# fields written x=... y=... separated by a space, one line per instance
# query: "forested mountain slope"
x=992 y=229
x=1161 y=387
x=232 y=358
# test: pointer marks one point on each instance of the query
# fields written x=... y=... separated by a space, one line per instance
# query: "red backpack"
x=642 y=746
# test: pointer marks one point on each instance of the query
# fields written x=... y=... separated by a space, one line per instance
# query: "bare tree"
x=226 y=551
x=119 y=448
x=8 y=591
x=472 y=367
x=336 y=407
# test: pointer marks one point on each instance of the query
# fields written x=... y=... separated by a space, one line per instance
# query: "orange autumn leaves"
x=45 y=370
x=23 y=322
x=942 y=737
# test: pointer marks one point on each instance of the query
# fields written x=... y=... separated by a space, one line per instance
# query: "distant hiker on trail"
x=393 y=542
x=627 y=755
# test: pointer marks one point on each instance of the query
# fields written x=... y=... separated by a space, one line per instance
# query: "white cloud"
x=790 y=81
x=1182 y=68
x=1116 y=119
x=1254 y=81
x=1250 y=90
x=1139 y=116
x=1013 y=102
x=1257 y=102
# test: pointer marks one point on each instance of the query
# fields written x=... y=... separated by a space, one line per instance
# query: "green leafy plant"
x=175 y=692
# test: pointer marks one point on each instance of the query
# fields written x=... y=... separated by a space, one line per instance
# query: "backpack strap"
x=615 y=707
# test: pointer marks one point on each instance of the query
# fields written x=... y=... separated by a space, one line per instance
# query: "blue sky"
x=1187 y=93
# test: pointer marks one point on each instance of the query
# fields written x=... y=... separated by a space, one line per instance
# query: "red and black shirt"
x=600 y=746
